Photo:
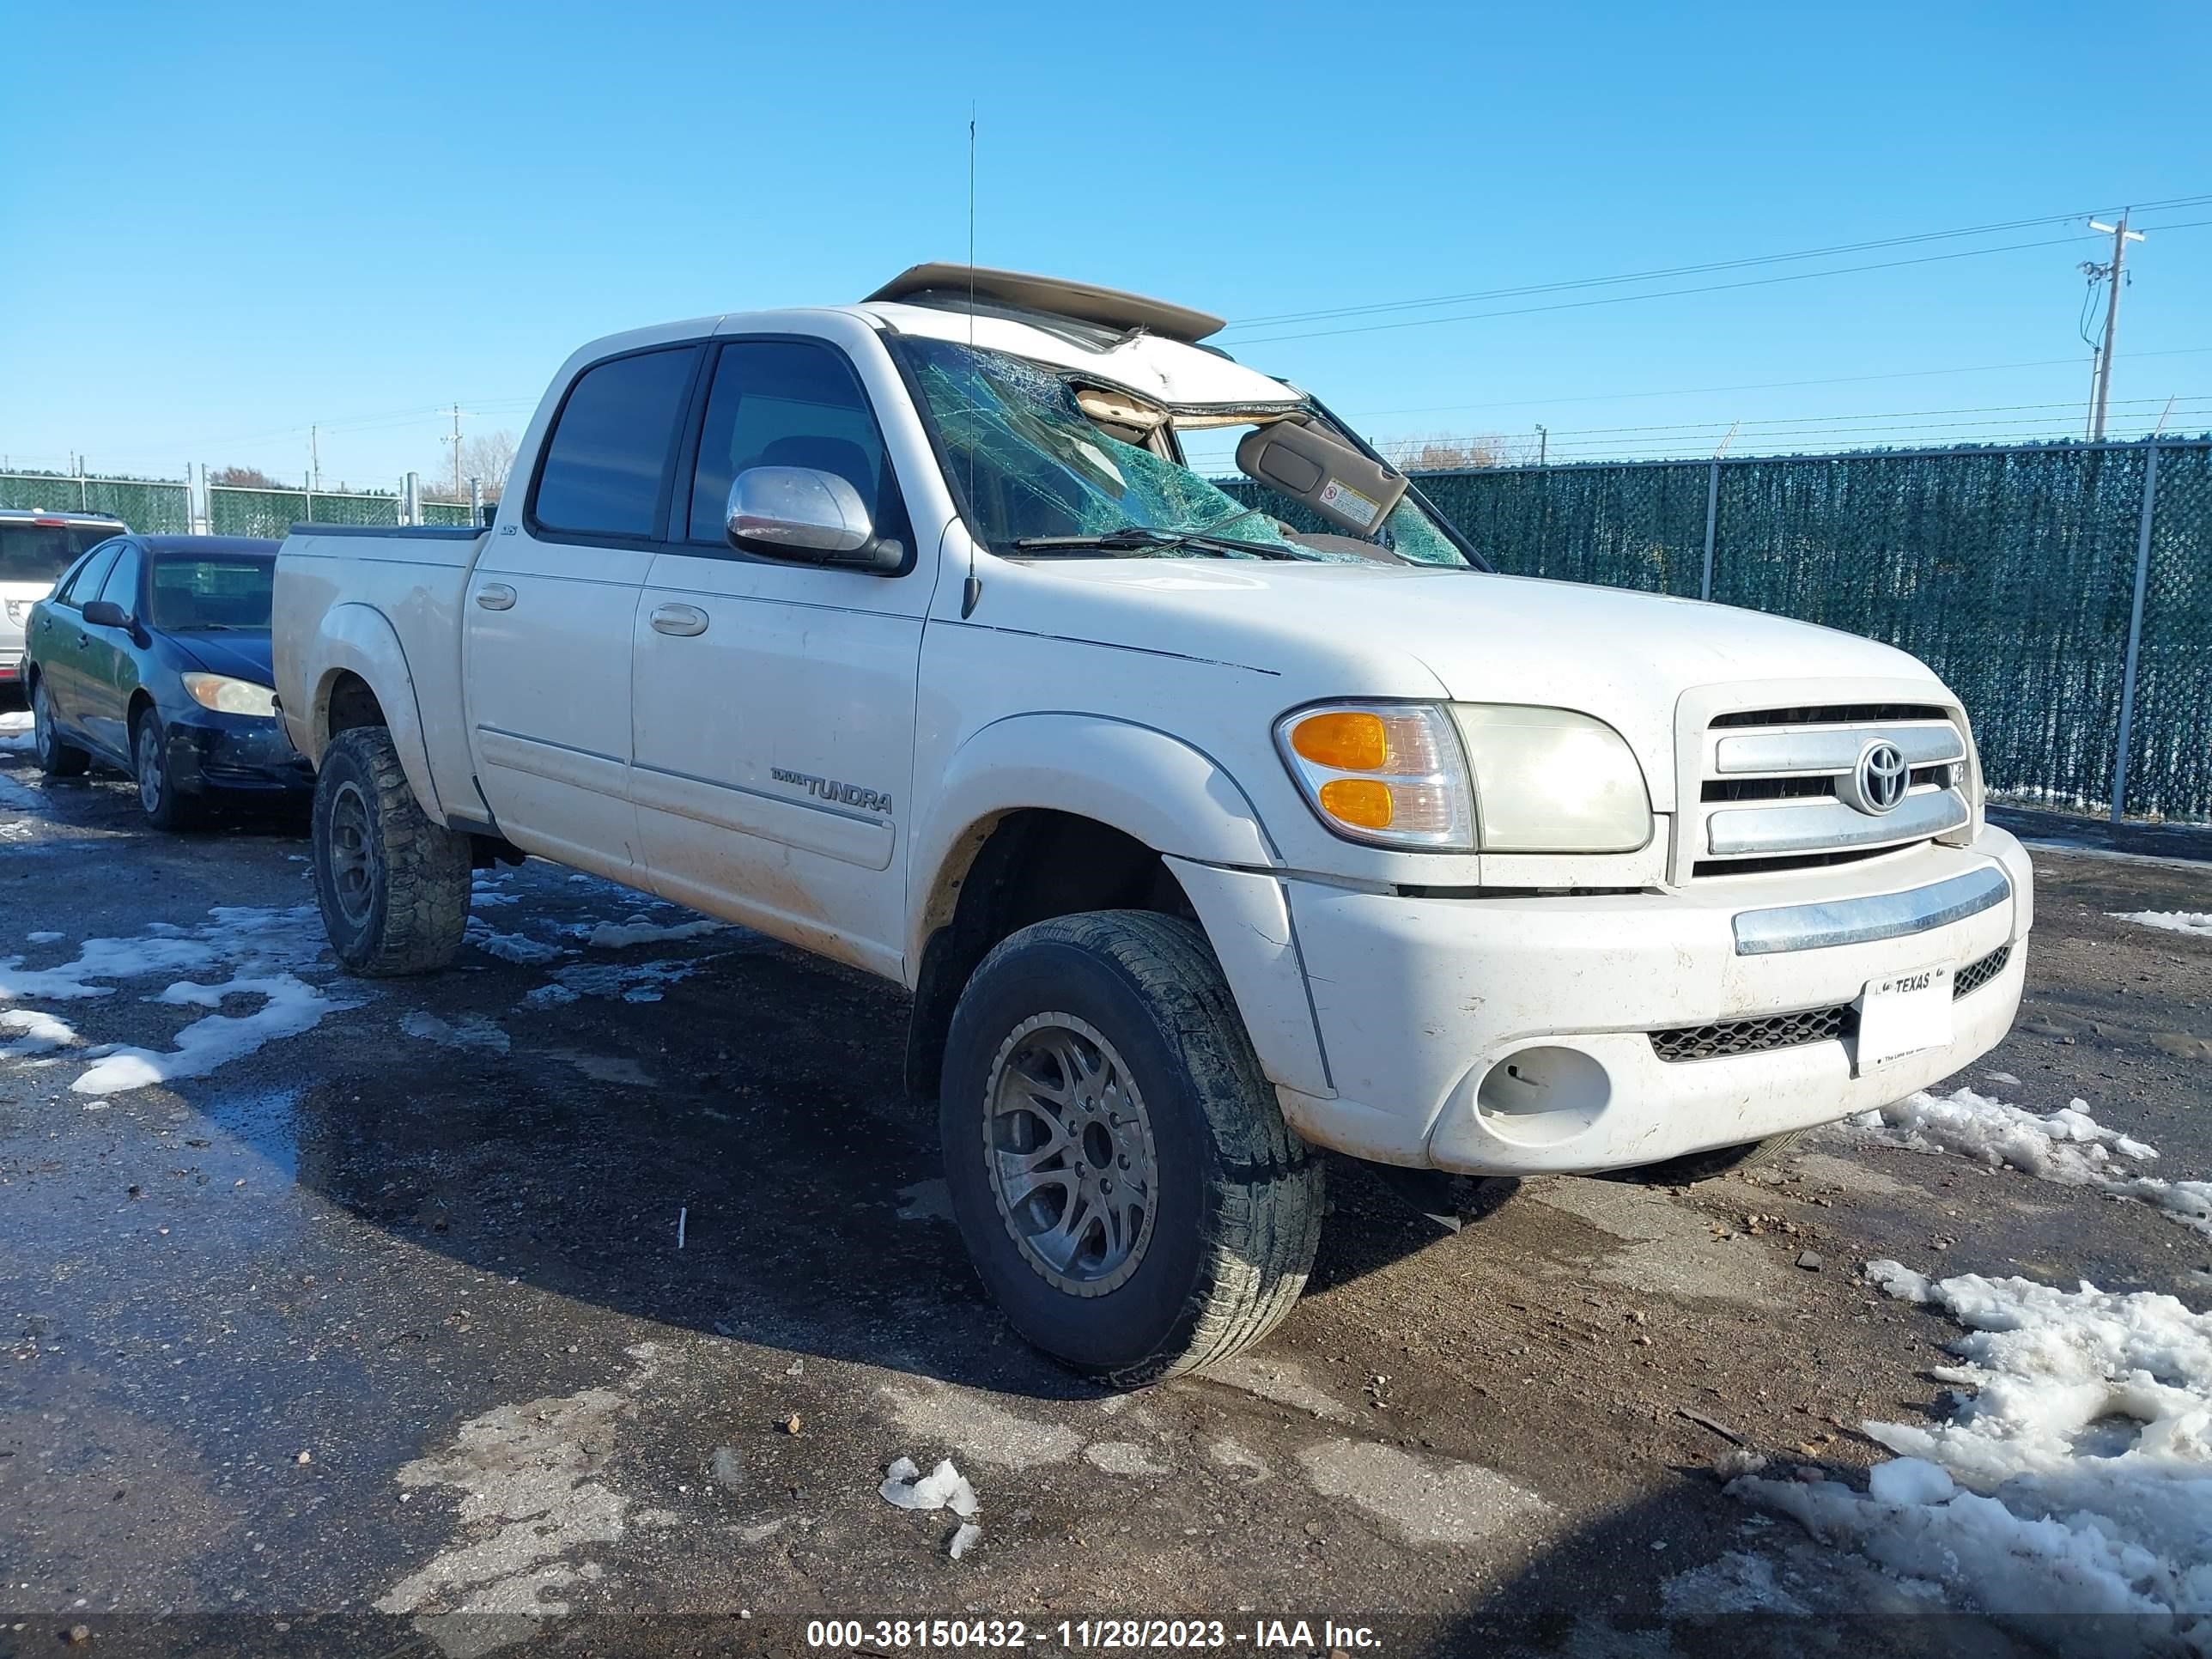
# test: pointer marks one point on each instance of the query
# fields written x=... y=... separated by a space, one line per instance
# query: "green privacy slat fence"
x=152 y=507
x=238 y=512
x=2012 y=572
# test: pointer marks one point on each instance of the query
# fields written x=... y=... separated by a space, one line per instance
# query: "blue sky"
x=231 y=222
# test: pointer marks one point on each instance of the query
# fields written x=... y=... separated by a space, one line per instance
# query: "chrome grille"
x=1775 y=790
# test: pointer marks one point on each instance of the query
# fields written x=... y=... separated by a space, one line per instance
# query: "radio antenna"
x=974 y=590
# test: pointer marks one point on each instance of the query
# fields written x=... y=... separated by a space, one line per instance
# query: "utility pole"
x=314 y=459
x=2115 y=274
x=1543 y=443
x=456 y=442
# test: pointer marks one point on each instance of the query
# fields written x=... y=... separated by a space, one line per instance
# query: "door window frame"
x=131 y=550
x=686 y=402
x=694 y=429
x=64 y=594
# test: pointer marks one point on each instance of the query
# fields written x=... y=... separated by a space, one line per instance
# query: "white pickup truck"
x=1205 y=829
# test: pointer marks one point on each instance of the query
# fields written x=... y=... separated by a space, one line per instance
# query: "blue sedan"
x=152 y=655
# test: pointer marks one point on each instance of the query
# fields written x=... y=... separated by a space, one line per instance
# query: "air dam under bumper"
x=1418 y=999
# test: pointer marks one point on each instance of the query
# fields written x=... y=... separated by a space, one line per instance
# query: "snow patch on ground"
x=45 y=936
x=2067 y=1146
x=532 y=1496
x=1736 y=1582
x=636 y=981
x=2197 y=922
x=470 y=1031
x=30 y=1031
x=1431 y=1500
x=266 y=951
x=508 y=947
x=642 y=930
x=2074 y=1476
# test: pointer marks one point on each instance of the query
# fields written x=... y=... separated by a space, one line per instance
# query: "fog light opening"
x=1546 y=1093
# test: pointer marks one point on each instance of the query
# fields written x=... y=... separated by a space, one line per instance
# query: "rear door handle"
x=496 y=596
x=684 y=621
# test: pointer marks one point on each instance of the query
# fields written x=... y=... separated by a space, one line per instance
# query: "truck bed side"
x=379 y=610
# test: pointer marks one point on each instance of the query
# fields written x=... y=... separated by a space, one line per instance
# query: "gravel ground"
x=592 y=1280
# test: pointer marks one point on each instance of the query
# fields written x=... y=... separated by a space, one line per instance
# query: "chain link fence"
x=2064 y=591
x=234 y=510
x=156 y=507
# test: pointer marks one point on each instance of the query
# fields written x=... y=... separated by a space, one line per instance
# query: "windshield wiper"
x=1133 y=538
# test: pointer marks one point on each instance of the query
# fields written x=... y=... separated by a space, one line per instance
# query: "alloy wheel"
x=1068 y=1146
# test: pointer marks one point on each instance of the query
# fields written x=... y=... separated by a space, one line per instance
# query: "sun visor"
x=1327 y=474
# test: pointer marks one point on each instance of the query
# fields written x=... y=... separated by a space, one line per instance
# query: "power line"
x=1760 y=386
x=1683 y=293
x=1807 y=421
x=1329 y=312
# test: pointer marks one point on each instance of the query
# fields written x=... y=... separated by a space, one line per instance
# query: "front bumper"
x=1418 y=999
x=250 y=754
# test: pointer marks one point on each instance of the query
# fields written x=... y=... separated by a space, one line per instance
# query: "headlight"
x=19 y=609
x=228 y=697
x=1549 y=781
x=1391 y=774
x=1398 y=775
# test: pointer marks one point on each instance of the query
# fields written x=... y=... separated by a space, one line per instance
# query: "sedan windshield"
x=212 y=593
x=1041 y=478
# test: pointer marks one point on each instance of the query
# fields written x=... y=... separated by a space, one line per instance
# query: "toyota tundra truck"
x=1209 y=821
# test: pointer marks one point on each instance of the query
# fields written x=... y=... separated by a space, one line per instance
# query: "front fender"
x=359 y=639
x=1136 y=779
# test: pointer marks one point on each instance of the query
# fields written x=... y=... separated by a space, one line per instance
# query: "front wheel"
x=165 y=805
x=57 y=759
x=393 y=884
x=1120 y=1170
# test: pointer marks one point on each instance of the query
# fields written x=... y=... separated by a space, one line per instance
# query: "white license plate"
x=1904 y=1013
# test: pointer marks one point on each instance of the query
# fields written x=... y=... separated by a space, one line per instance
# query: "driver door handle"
x=496 y=596
x=684 y=621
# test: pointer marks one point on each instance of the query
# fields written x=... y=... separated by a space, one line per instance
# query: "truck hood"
x=1397 y=630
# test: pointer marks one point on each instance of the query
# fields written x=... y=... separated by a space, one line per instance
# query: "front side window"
x=121 y=587
x=789 y=403
x=217 y=592
x=610 y=448
x=85 y=584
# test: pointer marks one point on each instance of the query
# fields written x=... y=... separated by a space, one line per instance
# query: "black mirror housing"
x=105 y=613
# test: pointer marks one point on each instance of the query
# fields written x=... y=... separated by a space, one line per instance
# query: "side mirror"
x=804 y=512
x=105 y=613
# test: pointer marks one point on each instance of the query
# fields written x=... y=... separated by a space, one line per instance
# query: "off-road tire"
x=1694 y=1167
x=1238 y=1203
x=407 y=911
x=166 y=806
x=57 y=759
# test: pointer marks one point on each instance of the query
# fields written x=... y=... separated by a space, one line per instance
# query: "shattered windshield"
x=1041 y=476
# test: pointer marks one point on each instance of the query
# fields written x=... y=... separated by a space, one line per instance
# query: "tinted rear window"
x=604 y=466
x=40 y=552
x=211 y=592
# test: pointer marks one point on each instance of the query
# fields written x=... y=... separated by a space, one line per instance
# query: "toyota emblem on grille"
x=1878 y=782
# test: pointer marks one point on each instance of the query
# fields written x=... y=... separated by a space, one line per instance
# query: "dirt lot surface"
x=604 y=1274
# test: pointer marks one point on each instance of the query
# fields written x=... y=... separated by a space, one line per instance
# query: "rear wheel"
x=1694 y=1167
x=57 y=759
x=165 y=805
x=392 y=884
x=1121 y=1173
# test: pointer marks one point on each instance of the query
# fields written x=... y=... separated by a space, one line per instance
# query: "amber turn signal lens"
x=1350 y=740
x=1359 y=802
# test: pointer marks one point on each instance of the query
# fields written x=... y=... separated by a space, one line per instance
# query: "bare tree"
x=248 y=477
x=488 y=457
x=1444 y=453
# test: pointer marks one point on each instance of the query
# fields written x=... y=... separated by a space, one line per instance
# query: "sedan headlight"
x=229 y=696
x=1468 y=776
